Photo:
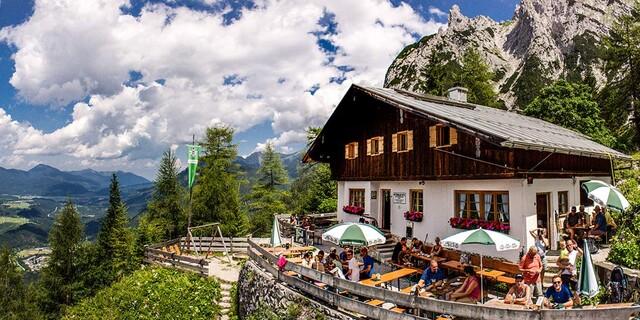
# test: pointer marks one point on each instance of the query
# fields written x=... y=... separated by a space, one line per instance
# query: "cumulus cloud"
x=195 y=71
x=437 y=12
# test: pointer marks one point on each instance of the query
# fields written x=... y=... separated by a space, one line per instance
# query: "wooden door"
x=542 y=210
x=386 y=209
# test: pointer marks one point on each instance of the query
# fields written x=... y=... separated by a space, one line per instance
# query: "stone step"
x=225 y=299
x=224 y=305
x=225 y=286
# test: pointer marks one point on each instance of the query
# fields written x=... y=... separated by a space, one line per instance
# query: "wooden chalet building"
x=394 y=151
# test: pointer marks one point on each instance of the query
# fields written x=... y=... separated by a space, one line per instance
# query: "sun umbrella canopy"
x=605 y=194
x=275 y=234
x=501 y=241
x=587 y=281
x=357 y=234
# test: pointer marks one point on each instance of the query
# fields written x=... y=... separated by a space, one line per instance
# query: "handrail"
x=431 y=304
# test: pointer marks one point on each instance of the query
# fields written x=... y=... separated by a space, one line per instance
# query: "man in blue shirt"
x=367 y=264
x=600 y=225
x=431 y=275
x=560 y=294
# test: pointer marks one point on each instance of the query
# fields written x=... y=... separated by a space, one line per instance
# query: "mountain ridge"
x=545 y=40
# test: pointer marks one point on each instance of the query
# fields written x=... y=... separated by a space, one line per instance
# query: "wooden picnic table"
x=387 y=277
x=496 y=303
x=453 y=265
x=427 y=258
x=492 y=274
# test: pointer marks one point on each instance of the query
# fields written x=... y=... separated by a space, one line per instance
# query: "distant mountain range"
x=44 y=180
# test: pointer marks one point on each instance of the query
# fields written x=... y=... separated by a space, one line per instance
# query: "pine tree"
x=15 y=302
x=476 y=76
x=115 y=240
x=61 y=277
x=268 y=196
x=621 y=54
x=165 y=208
x=216 y=193
x=314 y=190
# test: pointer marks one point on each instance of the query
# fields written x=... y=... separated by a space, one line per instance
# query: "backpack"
x=618 y=286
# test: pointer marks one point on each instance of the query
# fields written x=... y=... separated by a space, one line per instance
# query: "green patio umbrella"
x=357 y=234
x=276 y=241
x=587 y=280
x=501 y=241
x=605 y=194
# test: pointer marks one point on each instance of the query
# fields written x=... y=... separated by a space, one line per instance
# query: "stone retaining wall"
x=258 y=289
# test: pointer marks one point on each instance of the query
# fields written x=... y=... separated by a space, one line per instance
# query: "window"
x=356 y=197
x=375 y=146
x=441 y=136
x=483 y=205
x=417 y=201
x=563 y=201
x=402 y=141
x=351 y=150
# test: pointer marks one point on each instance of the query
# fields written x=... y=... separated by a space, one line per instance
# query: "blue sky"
x=108 y=89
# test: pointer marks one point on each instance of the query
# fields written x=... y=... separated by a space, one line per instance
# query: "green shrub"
x=152 y=293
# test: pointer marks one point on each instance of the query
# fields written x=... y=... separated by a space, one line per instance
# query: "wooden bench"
x=399 y=310
x=375 y=302
x=507 y=280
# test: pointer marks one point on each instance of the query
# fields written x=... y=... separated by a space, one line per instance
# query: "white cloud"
x=437 y=12
x=70 y=50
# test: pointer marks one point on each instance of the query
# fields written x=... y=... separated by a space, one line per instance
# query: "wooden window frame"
x=563 y=207
x=412 y=204
x=359 y=193
x=351 y=150
x=481 y=213
x=436 y=136
x=373 y=143
x=398 y=137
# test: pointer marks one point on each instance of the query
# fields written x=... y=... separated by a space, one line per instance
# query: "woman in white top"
x=354 y=268
x=307 y=260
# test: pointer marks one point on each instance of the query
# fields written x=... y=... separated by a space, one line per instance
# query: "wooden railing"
x=154 y=254
x=217 y=244
x=267 y=260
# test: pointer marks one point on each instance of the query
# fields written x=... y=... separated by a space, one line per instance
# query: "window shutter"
x=453 y=136
x=410 y=140
x=369 y=146
x=355 y=147
x=394 y=142
x=381 y=145
x=433 y=136
x=346 y=151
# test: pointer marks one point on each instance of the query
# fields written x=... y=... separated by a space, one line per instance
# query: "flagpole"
x=190 y=206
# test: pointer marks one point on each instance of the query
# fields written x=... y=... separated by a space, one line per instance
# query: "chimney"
x=457 y=94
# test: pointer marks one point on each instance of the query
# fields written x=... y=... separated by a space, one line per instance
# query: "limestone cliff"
x=545 y=40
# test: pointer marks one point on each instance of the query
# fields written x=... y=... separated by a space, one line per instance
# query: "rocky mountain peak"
x=547 y=39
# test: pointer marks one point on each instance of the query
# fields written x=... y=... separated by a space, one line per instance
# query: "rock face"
x=545 y=40
x=258 y=289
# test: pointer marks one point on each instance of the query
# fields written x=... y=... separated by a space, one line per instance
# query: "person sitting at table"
x=405 y=256
x=417 y=247
x=306 y=260
x=367 y=266
x=469 y=292
x=436 y=250
x=519 y=293
x=395 y=257
x=318 y=262
x=353 y=272
x=431 y=275
x=331 y=268
x=570 y=222
x=599 y=225
x=559 y=293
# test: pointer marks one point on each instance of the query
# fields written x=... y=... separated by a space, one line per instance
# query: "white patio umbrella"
x=501 y=241
x=358 y=234
x=587 y=280
x=605 y=194
x=276 y=241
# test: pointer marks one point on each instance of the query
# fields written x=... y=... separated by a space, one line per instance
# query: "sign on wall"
x=374 y=194
x=399 y=197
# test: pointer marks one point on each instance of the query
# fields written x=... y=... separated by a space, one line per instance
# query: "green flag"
x=193 y=151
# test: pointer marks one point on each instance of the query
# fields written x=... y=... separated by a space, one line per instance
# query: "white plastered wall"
x=439 y=205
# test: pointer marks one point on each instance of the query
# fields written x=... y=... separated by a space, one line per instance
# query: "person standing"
x=531 y=266
x=569 y=271
x=541 y=244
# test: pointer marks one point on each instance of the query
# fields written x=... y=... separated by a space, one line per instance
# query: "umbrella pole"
x=481 y=284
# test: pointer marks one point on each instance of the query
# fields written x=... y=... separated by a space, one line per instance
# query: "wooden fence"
x=267 y=260
x=162 y=254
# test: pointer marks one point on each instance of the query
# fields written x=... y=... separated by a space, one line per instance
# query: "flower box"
x=353 y=210
x=414 y=216
x=468 y=224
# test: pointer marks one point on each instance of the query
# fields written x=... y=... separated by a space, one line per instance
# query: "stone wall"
x=259 y=291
